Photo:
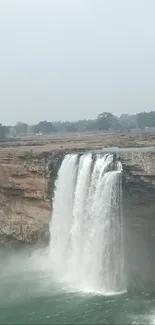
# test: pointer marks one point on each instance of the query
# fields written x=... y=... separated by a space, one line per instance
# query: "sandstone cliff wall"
x=139 y=219
x=25 y=207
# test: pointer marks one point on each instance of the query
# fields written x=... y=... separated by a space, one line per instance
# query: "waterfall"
x=86 y=248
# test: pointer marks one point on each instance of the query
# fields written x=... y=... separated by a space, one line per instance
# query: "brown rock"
x=25 y=208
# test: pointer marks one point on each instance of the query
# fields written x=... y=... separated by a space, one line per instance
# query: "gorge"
x=27 y=187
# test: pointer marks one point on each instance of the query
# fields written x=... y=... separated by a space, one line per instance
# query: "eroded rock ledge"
x=26 y=188
x=24 y=205
x=139 y=219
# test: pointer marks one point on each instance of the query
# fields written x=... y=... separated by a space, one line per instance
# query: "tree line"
x=104 y=122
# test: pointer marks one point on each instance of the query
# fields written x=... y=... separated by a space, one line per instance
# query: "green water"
x=30 y=294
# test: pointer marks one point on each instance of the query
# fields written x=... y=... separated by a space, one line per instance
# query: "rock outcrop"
x=24 y=203
x=139 y=219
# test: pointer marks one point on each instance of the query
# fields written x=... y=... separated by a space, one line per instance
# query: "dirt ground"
x=87 y=140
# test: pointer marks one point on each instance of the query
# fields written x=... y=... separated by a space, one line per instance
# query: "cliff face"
x=139 y=219
x=26 y=187
x=24 y=203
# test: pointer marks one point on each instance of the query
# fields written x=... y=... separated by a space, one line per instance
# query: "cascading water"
x=87 y=224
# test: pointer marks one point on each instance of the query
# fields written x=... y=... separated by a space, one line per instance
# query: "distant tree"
x=12 y=131
x=108 y=121
x=141 y=120
x=21 y=128
x=128 y=122
x=60 y=126
x=72 y=127
x=30 y=129
x=146 y=119
x=44 y=127
x=104 y=121
x=92 y=125
x=77 y=126
x=151 y=119
x=4 y=130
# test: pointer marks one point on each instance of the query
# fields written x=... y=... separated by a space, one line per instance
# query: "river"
x=31 y=294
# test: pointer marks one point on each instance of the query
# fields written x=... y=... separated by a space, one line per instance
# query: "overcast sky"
x=73 y=59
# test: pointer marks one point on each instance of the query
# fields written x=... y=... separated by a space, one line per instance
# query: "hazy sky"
x=73 y=59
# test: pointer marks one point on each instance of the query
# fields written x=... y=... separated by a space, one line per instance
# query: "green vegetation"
x=21 y=128
x=4 y=130
x=44 y=127
x=105 y=121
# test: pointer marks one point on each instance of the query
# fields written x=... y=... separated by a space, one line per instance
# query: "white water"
x=86 y=248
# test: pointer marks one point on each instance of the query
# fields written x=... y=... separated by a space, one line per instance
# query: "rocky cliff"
x=26 y=187
x=24 y=203
x=139 y=219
